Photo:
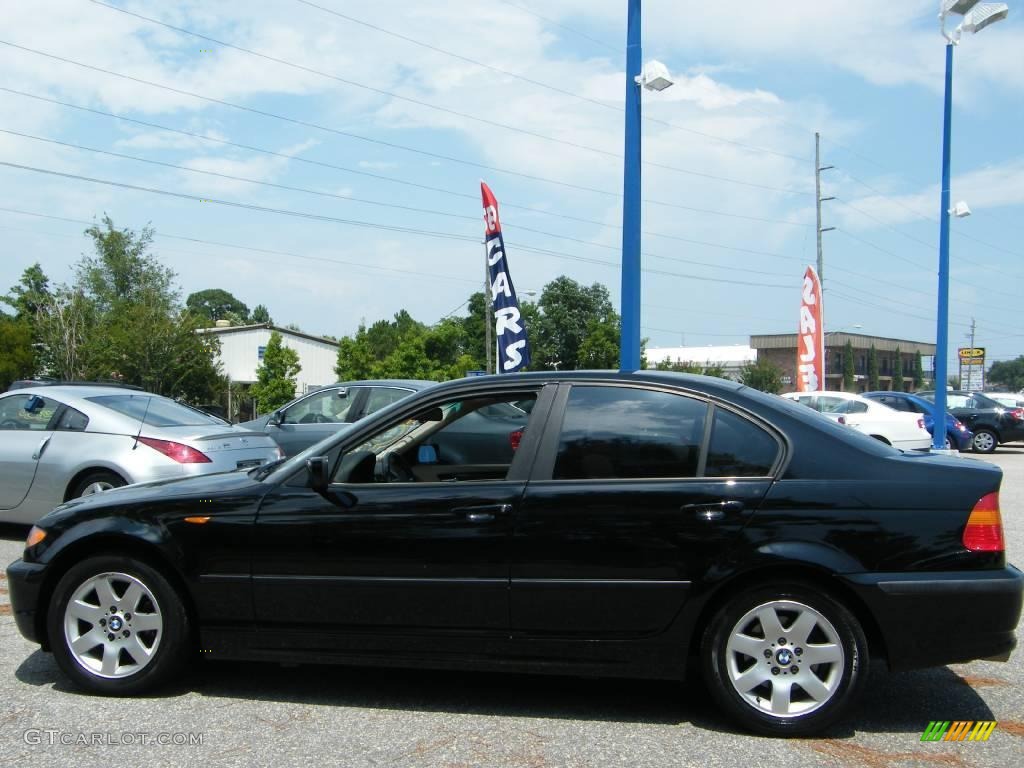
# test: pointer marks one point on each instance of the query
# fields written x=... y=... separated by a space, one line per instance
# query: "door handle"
x=41 y=448
x=713 y=511
x=484 y=513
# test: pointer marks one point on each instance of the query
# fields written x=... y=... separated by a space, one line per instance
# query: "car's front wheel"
x=117 y=626
x=785 y=660
x=984 y=441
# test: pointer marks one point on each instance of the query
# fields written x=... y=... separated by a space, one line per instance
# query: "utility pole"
x=972 y=333
x=488 y=314
x=818 y=168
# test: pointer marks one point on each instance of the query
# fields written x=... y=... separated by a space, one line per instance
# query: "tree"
x=569 y=313
x=260 y=314
x=215 y=304
x=762 y=375
x=64 y=321
x=17 y=357
x=872 y=368
x=275 y=378
x=600 y=347
x=897 y=371
x=122 y=269
x=849 y=371
x=31 y=291
x=1008 y=373
x=918 y=371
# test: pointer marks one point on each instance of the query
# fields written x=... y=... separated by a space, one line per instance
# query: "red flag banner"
x=810 y=353
x=509 y=328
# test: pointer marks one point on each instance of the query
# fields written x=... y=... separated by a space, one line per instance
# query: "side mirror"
x=341 y=393
x=319 y=473
x=275 y=419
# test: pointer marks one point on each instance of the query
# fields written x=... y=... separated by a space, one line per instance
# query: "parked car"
x=958 y=436
x=1006 y=399
x=321 y=413
x=991 y=423
x=900 y=430
x=62 y=442
x=641 y=521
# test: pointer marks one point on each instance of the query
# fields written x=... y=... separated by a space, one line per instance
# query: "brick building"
x=781 y=349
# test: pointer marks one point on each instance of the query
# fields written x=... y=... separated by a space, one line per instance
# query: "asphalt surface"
x=252 y=714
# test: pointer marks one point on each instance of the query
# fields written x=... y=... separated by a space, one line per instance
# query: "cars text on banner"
x=513 y=346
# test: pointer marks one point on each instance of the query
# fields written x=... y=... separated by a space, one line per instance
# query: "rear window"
x=155 y=410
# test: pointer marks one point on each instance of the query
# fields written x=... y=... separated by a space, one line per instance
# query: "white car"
x=1007 y=399
x=897 y=428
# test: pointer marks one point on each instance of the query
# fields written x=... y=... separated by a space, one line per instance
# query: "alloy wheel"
x=785 y=659
x=97 y=487
x=113 y=625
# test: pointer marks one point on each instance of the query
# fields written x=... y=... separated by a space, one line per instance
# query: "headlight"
x=35 y=535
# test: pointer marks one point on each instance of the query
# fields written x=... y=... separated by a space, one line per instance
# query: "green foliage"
x=215 y=304
x=689 y=366
x=260 y=314
x=569 y=314
x=122 y=271
x=1008 y=373
x=29 y=294
x=275 y=378
x=600 y=347
x=918 y=371
x=762 y=375
x=897 y=371
x=872 y=368
x=17 y=357
x=849 y=371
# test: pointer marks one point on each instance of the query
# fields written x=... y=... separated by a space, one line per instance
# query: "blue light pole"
x=942 y=318
x=976 y=18
x=629 y=339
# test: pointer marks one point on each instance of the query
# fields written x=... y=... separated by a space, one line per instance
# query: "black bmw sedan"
x=647 y=525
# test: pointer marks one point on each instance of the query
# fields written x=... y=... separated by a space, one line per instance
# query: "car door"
x=25 y=430
x=384 y=551
x=636 y=491
x=315 y=417
x=380 y=397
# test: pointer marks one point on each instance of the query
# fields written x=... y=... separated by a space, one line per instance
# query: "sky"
x=323 y=157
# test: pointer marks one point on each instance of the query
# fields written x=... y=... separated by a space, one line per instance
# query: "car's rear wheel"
x=96 y=482
x=984 y=441
x=117 y=626
x=785 y=660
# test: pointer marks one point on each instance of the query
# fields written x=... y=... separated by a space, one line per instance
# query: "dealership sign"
x=810 y=342
x=972 y=368
x=509 y=329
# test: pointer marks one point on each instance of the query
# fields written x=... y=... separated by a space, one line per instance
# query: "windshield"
x=155 y=410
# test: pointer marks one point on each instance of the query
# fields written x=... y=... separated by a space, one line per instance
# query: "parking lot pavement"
x=252 y=714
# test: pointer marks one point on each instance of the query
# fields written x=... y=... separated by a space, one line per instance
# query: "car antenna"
x=145 y=413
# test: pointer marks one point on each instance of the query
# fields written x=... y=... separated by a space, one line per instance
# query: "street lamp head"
x=984 y=15
x=959 y=7
x=655 y=76
x=960 y=210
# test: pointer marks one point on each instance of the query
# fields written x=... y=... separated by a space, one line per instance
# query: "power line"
x=403 y=182
x=552 y=22
x=531 y=81
x=380 y=142
x=372 y=225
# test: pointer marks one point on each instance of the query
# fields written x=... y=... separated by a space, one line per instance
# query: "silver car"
x=61 y=442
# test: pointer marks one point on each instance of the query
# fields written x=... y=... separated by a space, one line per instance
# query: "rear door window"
x=739 y=448
x=381 y=397
x=623 y=432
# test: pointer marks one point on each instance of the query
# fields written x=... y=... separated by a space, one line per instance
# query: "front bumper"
x=931 y=619
x=24 y=581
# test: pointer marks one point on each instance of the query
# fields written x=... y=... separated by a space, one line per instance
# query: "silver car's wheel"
x=96 y=487
x=785 y=658
x=984 y=441
x=113 y=625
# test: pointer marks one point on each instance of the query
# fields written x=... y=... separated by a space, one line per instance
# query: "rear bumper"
x=24 y=581
x=931 y=619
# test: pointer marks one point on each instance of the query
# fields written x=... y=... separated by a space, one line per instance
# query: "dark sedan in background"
x=630 y=525
x=321 y=413
x=991 y=422
x=958 y=436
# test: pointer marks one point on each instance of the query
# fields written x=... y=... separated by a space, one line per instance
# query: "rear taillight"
x=1017 y=413
x=984 y=530
x=515 y=439
x=920 y=423
x=183 y=454
x=842 y=419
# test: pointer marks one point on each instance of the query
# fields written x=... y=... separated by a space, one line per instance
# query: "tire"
x=763 y=694
x=95 y=482
x=145 y=606
x=949 y=443
x=984 y=441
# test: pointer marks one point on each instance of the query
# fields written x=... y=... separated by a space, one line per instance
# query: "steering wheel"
x=396 y=469
x=10 y=424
